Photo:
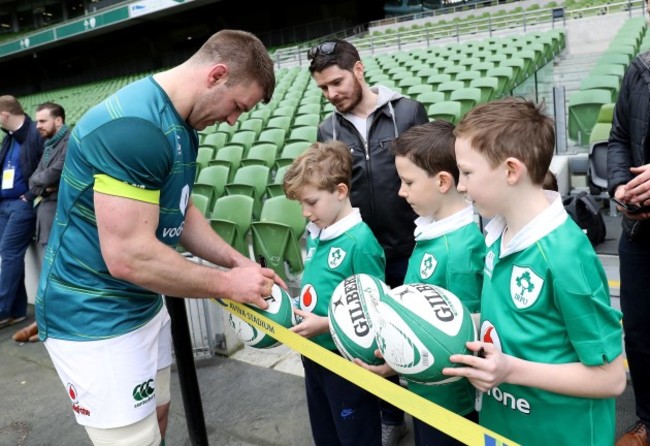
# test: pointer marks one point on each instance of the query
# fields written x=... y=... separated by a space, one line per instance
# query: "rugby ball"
x=419 y=327
x=351 y=313
x=280 y=311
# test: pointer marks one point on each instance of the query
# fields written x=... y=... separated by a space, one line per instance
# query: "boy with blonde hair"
x=339 y=245
x=551 y=340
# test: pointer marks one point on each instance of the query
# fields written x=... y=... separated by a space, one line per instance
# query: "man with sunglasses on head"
x=368 y=119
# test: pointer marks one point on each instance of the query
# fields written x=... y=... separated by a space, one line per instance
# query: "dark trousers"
x=634 y=257
x=17 y=223
x=395 y=272
x=340 y=412
x=427 y=435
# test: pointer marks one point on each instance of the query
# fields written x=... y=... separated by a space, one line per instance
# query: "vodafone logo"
x=308 y=298
x=72 y=393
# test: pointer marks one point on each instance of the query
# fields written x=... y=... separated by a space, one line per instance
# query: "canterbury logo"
x=143 y=391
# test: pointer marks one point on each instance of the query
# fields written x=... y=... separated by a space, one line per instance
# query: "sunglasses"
x=325 y=48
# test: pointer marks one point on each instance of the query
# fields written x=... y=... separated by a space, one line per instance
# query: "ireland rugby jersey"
x=546 y=299
x=133 y=145
x=449 y=253
x=335 y=253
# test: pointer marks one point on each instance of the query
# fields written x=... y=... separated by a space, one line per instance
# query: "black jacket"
x=32 y=146
x=628 y=141
x=375 y=182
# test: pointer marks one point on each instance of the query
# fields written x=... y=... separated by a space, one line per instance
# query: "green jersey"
x=335 y=253
x=133 y=145
x=546 y=299
x=449 y=253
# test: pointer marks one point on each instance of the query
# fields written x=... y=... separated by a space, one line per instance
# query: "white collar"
x=426 y=228
x=539 y=227
x=338 y=228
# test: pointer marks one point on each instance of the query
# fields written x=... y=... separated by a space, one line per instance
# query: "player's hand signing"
x=251 y=284
x=484 y=373
x=383 y=370
x=311 y=324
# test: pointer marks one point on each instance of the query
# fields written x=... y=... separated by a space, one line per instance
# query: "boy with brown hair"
x=449 y=250
x=552 y=345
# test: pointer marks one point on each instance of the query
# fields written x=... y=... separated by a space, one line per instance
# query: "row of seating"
x=602 y=84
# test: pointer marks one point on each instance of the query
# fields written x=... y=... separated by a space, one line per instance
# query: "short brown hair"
x=11 y=105
x=323 y=165
x=246 y=56
x=344 y=54
x=429 y=146
x=56 y=111
x=511 y=127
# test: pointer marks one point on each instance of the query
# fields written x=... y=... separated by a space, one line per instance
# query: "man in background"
x=44 y=184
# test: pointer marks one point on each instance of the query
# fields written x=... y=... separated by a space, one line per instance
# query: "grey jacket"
x=628 y=140
x=375 y=182
x=47 y=174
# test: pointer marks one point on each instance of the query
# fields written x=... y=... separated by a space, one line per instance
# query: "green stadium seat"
x=430 y=97
x=504 y=75
x=468 y=76
x=231 y=218
x=290 y=152
x=262 y=154
x=277 y=234
x=487 y=85
x=229 y=156
x=603 y=81
x=606 y=113
x=468 y=98
x=584 y=106
x=275 y=136
x=450 y=86
x=437 y=79
x=449 y=111
x=254 y=124
x=250 y=181
x=307 y=133
x=211 y=182
x=216 y=139
x=201 y=202
x=245 y=138
x=279 y=122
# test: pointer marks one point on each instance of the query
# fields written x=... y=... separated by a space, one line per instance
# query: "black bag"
x=585 y=211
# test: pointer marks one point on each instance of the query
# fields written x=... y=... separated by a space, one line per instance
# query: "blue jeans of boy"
x=17 y=224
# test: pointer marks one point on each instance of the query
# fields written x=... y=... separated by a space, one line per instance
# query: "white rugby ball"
x=351 y=313
x=280 y=311
x=420 y=326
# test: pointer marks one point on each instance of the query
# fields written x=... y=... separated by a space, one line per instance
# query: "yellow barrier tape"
x=437 y=416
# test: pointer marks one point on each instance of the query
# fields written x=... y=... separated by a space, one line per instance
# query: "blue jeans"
x=634 y=257
x=17 y=225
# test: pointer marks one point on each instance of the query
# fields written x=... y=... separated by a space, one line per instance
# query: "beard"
x=354 y=99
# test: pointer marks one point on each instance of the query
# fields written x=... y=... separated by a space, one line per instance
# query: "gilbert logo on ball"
x=351 y=313
x=280 y=311
x=419 y=327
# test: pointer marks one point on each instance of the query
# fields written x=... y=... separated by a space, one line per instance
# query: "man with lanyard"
x=20 y=153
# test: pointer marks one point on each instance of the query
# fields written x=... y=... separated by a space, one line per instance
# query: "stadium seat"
x=231 y=218
x=279 y=122
x=604 y=81
x=584 y=106
x=211 y=182
x=606 y=113
x=229 y=156
x=519 y=70
x=250 y=181
x=610 y=69
x=216 y=139
x=245 y=138
x=309 y=119
x=597 y=166
x=201 y=202
x=454 y=70
x=468 y=98
x=504 y=75
x=415 y=90
x=277 y=234
x=203 y=155
x=429 y=98
x=447 y=111
x=437 y=79
x=467 y=76
x=254 y=124
x=482 y=67
x=448 y=87
x=303 y=133
x=312 y=108
x=290 y=151
x=275 y=136
x=263 y=113
x=263 y=153
x=276 y=187
x=487 y=85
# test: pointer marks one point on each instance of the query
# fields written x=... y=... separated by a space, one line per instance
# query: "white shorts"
x=111 y=382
